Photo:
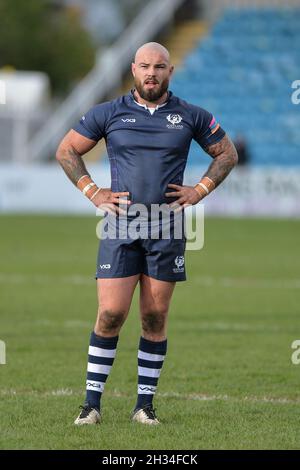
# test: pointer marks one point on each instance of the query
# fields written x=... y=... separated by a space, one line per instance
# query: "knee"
x=109 y=322
x=153 y=321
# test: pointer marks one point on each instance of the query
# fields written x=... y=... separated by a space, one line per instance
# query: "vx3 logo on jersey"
x=129 y=120
x=175 y=120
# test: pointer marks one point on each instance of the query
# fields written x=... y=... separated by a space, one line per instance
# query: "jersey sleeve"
x=207 y=129
x=92 y=124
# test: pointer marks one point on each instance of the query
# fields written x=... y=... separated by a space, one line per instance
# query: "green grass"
x=228 y=381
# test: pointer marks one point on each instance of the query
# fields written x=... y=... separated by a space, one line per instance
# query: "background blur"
x=231 y=376
x=238 y=59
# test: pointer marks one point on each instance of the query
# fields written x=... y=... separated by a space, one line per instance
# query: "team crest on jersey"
x=179 y=263
x=175 y=120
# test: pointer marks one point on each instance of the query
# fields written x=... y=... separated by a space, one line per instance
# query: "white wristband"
x=96 y=192
x=87 y=187
x=84 y=176
x=204 y=187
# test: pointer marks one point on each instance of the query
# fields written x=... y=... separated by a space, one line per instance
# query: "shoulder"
x=101 y=110
x=107 y=109
x=198 y=113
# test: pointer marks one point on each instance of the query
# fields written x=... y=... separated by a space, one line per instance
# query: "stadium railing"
x=105 y=76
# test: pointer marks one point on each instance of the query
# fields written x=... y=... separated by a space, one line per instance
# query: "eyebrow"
x=156 y=65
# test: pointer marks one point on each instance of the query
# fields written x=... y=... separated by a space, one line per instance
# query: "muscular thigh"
x=155 y=295
x=115 y=294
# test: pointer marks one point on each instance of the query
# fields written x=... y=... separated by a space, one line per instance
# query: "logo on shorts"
x=175 y=120
x=104 y=266
x=179 y=262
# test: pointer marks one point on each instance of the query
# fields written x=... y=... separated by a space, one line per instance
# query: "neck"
x=150 y=104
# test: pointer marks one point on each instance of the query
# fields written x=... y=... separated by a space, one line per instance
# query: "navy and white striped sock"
x=151 y=357
x=102 y=353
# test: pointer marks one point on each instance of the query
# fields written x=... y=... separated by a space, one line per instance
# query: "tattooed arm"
x=69 y=154
x=224 y=157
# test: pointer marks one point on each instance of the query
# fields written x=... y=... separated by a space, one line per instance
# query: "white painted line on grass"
x=204 y=281
x=246 y=283
x=180 y=396
x=45 y=279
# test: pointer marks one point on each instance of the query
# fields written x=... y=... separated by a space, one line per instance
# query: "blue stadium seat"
x=242 y=72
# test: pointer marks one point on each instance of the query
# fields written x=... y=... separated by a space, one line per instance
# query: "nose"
x=151 y=72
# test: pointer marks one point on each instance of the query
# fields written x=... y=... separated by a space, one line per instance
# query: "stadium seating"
x=242 y=72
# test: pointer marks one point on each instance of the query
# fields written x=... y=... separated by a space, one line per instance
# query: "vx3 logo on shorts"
x=104 y=266
x=179 y=262
x=129 y=120
x=175 y=120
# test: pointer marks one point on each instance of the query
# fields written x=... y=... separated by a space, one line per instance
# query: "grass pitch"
x=228 y=381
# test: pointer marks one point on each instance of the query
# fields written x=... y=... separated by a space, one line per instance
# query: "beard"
x=152 y=95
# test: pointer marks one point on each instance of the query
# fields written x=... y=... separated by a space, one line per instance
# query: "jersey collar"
x=131 y=94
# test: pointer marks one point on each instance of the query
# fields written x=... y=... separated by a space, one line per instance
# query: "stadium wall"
x=254 y=191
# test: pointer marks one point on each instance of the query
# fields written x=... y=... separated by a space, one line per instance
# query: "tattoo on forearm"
x=73 y=165
x=225 y=158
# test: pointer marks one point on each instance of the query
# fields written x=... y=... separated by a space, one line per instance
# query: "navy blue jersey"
x=148 y=151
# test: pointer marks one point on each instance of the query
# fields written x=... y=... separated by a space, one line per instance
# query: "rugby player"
x=148 y=134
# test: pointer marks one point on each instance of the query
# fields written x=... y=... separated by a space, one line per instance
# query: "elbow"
x=235 y=158
x=59 y=155
x=234 y=155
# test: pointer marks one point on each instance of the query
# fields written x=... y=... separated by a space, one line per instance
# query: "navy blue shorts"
x=162 y=259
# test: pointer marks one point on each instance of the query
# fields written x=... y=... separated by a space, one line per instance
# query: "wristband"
x=205 y=186
x=87 y=186
x=94 y=194
x=83 y=181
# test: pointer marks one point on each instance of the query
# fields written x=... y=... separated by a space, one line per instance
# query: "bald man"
x=148 y=134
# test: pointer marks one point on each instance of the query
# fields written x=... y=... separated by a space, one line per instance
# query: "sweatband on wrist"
x=87 y=186
x=205 y=186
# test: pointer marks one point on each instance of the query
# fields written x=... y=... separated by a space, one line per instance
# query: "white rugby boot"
x=88 y=415
x=145 y=415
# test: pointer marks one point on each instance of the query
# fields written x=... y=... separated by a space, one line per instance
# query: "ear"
x=133 y=68
x=171 y=69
